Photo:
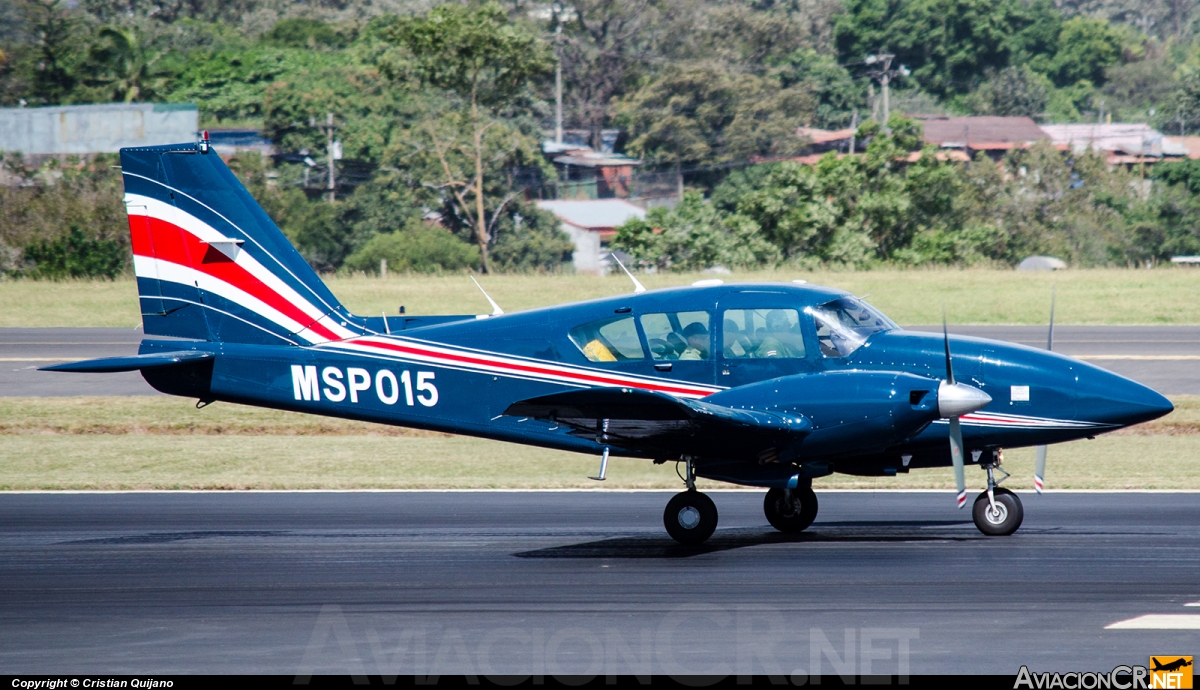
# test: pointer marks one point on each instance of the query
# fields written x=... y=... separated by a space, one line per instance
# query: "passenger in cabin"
x=697 y=342
x=597 y=351
x=734 y=347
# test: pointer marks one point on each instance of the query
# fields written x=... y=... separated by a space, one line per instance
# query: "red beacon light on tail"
x=203 y=144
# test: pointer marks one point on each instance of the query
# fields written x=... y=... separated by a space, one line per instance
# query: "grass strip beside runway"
x=164 y=443
x=974 y=296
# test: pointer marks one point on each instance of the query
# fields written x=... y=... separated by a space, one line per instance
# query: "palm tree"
x=122 y=62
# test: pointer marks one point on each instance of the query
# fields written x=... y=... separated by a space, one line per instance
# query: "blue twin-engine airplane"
x=768 y=385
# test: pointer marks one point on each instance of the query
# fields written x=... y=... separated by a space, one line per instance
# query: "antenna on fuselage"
x=496 y=310
x=638 y=288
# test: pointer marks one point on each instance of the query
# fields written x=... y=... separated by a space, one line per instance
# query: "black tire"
x=1009 y=507
x=791 y=510
x=690 y=517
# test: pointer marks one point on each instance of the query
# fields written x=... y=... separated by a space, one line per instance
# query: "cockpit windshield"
x=844 y=324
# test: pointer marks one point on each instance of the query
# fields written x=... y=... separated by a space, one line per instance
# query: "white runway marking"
x=1159 y=621
x=1194 y=603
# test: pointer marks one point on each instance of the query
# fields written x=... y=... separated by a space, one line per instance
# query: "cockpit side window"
x=608 y=340
x=761 y=334
x=844 y=324
x=677 y=335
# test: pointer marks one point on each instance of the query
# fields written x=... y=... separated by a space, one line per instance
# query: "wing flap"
x=650 y=412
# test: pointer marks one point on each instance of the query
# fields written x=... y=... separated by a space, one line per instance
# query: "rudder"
x=210 y=263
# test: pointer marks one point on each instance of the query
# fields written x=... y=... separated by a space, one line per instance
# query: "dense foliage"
x=440 y=108
x=878 y=207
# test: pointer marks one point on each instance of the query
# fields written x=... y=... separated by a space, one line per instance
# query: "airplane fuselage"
x=460 y=374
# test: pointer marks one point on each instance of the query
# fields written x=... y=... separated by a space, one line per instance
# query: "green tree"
x=121 y=65
x=76 y=256
x=695 y=235
x=1086 y=47
x=835 y=90
x=948 y=44
x=417 y=248
x=482 y=58
x=604 y=47
x=58 y=195
x=697 y=114
x=527 y=238
x=231 y=84
x=54 y=31
x=368 y=110
x=1011 y=91
x=304 y=32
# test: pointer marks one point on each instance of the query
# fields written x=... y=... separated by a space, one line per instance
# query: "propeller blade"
x=956 y=455
x=946 y=340
x=1039 y=469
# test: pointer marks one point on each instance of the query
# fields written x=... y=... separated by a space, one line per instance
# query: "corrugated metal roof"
x=593 y=214
x=824 y=136
x=1134 y=138
x=591 y=159
x=965 y=132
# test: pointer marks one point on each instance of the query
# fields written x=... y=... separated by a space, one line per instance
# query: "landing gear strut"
x=791 y=510
x=997 y=512
x=690 y=517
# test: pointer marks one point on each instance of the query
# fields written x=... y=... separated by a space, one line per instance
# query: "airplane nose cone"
x=1108 y=398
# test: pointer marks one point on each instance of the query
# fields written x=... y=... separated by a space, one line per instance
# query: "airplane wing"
x=650 y=422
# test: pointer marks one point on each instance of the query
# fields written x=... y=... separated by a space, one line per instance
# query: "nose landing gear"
x=791 y=510
x=997 y=512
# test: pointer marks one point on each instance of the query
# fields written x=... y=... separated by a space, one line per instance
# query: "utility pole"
x=558 y=115
x=884 y=75
x=331 y=146
x=853 y=129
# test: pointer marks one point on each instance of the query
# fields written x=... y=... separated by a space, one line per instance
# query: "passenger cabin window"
x=608 y=340
x=678 y=335
x=761 y=334
x=844 y=324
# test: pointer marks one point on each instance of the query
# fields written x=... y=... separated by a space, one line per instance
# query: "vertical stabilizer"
x=211 y=264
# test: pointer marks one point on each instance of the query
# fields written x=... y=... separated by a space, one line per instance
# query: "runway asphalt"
x=1166 y=358
x=884 y=583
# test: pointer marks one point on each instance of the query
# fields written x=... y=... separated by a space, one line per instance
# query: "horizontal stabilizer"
x=627 y=404
x=131 y=363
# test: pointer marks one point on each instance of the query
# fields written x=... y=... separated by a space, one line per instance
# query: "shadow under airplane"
x=725 y=540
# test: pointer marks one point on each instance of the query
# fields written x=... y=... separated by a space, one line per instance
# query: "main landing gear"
x=691 y=517
x=997 y=512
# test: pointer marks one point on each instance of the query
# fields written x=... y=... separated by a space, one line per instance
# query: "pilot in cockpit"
x=776 y=337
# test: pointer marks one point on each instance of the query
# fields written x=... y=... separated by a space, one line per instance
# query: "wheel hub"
x=689 y=517
x=788 y=507
x=996 y=515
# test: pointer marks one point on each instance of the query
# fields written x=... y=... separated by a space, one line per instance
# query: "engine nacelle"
x=852 y=412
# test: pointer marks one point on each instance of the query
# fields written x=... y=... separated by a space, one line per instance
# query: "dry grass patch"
x=164 y=443
x=973 y=296
x=452 y=462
